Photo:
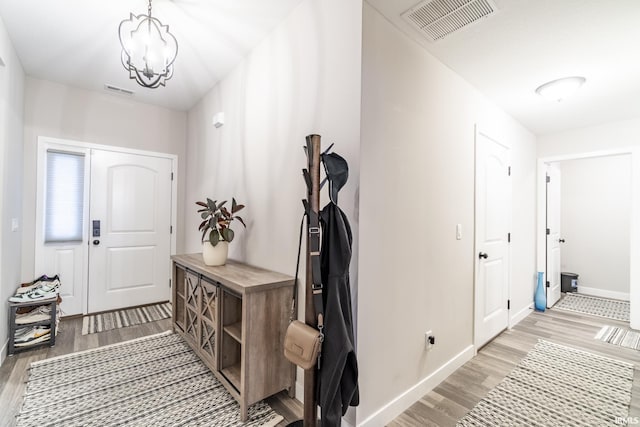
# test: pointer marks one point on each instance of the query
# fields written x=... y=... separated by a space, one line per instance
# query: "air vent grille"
x=436 y=19
x=116 y=89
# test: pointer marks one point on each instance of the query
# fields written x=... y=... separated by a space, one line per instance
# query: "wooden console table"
x=234 y=317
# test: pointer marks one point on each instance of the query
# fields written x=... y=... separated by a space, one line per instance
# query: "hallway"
x=454 y=397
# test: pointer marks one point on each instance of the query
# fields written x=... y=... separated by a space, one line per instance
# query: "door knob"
x=561 y=240
x=96 y=242
x=483 y=255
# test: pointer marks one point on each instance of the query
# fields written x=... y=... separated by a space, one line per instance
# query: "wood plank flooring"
x=460 y=392
x=13 y=372
x=442 y=407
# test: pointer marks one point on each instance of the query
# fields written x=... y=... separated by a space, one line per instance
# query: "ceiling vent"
x=436 y=19
x=116 y=89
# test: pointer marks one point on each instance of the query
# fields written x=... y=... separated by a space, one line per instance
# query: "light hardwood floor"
x=460 y=392
x=442 y=407
x=13 y=373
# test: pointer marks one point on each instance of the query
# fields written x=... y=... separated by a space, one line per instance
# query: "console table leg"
x=243 y=411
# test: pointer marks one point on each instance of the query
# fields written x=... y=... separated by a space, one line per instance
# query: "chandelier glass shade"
x=148 y=49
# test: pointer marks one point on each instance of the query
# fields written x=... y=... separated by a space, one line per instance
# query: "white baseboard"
x=3 y=351
x=603 y=293
x=401 y=403
x=521 y=314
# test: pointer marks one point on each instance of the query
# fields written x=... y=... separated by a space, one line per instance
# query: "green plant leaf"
x=214 y=237
x=222 y=203
x=212 y=223
x=202 y=224
x=203 y=204
x=204 y=215
x=241 y=221
x=233 y=204
x=203 y=210
x=211 y=205
x=204 y=233
x=227 y=234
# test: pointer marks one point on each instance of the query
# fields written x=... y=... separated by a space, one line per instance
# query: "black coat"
x=338 y=377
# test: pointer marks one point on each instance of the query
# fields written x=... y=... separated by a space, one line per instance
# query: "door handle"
x=560 y=240
x=96 y=242
x=483 y=255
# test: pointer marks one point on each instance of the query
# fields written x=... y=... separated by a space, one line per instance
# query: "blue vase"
x=540 y=297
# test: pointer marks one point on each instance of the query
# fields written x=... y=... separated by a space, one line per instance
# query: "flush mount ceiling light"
x=148 y=49
x=560 y=89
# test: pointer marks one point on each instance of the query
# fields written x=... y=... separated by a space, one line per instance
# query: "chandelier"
x=148 y=49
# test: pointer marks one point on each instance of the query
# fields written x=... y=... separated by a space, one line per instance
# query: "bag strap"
x=316 y=274
x=294 y=300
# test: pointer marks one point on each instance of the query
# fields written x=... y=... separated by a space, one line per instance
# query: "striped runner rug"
x=595 y=306
x=556 y=385
x=151 y=381
x=122 y=318
x=619 y=336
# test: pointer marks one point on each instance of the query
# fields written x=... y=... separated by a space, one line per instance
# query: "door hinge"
x=169 y=283
x=508 y=304
x=548 y=178
x=548 y=231
x=508 y=237
x=548 y=284
x=171 y=229
x=171 y=176
x=509 y=170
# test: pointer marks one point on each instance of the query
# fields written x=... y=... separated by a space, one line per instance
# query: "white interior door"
x=493 y=201
x=129 y=261
x=553 y=234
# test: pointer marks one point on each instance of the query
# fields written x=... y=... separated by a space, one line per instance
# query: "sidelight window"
x=64 y=200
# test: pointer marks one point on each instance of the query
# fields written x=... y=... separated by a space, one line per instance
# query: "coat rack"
x=313 y=198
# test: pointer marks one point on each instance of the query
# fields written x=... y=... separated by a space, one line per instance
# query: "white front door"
x=129 y=256
x=130 y=193
x=553 y=235
x=493 y=219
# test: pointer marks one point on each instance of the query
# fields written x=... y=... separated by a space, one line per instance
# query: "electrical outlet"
x=429 y=340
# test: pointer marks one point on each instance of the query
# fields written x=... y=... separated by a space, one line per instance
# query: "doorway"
x=104 y=223
x=633 y=234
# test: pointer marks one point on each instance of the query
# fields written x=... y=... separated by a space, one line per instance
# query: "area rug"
x=556 y=385
x=152 y=381
x=123 y=318
x=619 y=336
x=595 y=306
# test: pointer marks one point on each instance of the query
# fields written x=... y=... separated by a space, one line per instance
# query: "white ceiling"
x=505 y=56
x=529 y=42
x=75 y=42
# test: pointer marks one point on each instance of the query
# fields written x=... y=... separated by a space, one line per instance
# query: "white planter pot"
x=215 y=255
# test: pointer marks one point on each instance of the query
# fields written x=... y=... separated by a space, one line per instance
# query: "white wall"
x=596 y=194
x=11 y=121
x=608 y=136
x=303 y=78
x=60 y=111
x=417 y=183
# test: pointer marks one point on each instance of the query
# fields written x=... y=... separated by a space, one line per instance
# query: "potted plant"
x=216 y=230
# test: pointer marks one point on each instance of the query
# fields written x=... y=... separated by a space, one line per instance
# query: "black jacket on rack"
x=338 y=375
